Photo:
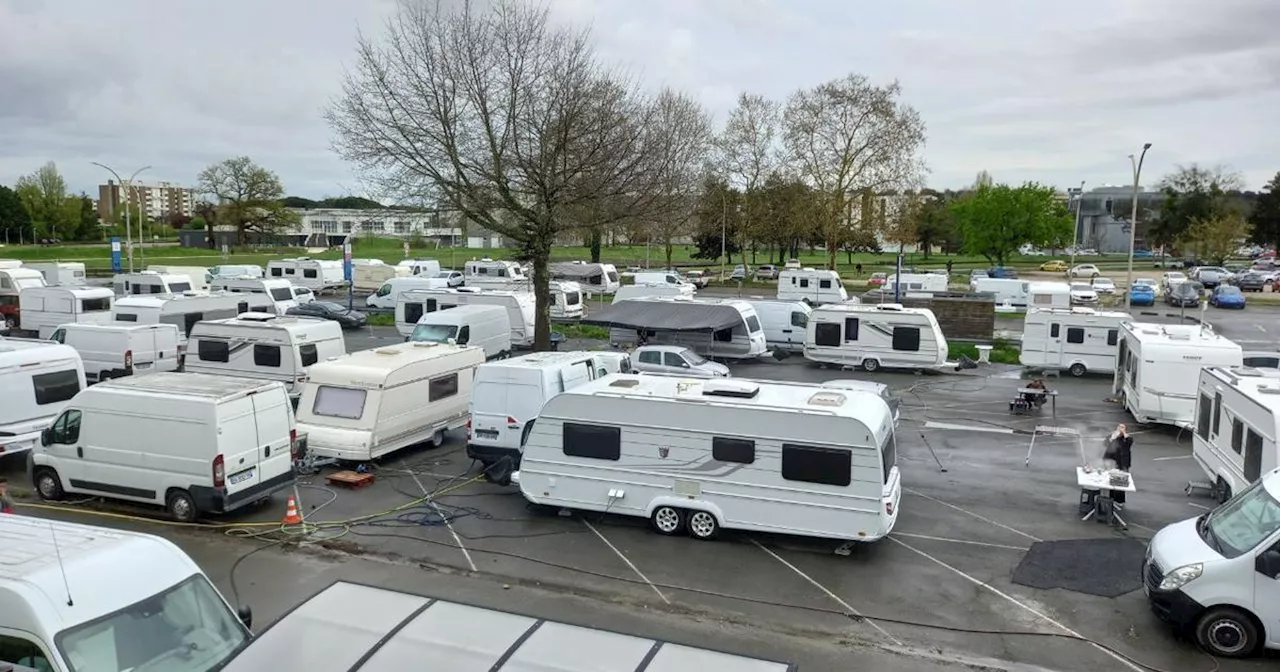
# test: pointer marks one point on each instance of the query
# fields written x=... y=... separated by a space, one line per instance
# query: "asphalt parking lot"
x=944 y=573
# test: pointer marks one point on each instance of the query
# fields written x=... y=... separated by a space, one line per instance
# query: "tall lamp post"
x=1075 y=236
x=125 y=184
x=1133 y=217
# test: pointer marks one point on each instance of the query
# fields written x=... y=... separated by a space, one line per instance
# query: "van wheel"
x=181 y=506
x=437 y=439
x=1077 y=370
x=667 y=520
x=10 y=322
x=870 y=365
x=48 y=485
x=1227 y=633
x=703 y=525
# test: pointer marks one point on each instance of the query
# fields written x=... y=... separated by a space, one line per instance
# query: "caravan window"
x=266 y=355
x=824 y=284
x=92 y=305
x=1054 y=330
x=804 y=282
x=1113 y=335
x=54 y=387
x=593 y=441
x=309 y=354
x=281 y=294
x=442 y=387
x=742 y=451
x=189 y=320
x=339 y=402
x=888 y=455
x=828 y=466
x=1252 y=455
x=179 y=287
x=125 y=317
x=1202 y=419
x=799 y=319
x=724 y=335
x=1237 y=435
x=827 y=334
x=277 y=272
x=1075 y=335
x=412 y=312
x=850 y=328
x=309 y=273
x=1217 y=411
x=753 y=324
x=906 y=338
x=213 y=351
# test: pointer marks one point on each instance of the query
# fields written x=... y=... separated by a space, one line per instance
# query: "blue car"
x=1142 y=295
x=1227 y=296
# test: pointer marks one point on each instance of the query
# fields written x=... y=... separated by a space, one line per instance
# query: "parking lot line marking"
x=1199 y=506
x=828 y=593
x=440 y=512
x=1261 y=328
x=1173 y=457
x=1023 y=605
x=970 y=513
x=626 y=560
x=960 y=541
x=967 y=428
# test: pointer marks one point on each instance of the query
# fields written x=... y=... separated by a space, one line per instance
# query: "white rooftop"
x=385 y=358
x=537 y=360
x=1180 y=334
x=186 y=384
x=851 y=307
x=1260 y=385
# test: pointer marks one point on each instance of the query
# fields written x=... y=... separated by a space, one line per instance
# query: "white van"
x=60 y=273
x=484 y=327
x=663 y=279
x=702 y=455
x=284 y=294
x=813 y=286
x=724 y=328
x=1012 y=291
x=916 y=282
x=117 y=350
x=37 y=379
x=235 y=271
x=389 y=291
x=367 y=404
x=423 y=267
x=1237 y=432
x=784 y=323
x=263 y=347
x=413 y=304
x=198 y=275
x=193 y=444
x=594 y=278
x=45 y=308
x=69 y=593
x=874 y=336
x=651 y=291
x=150 y=282
x=1158 y=369
x=369 y=276
x=186 y=310
x=491 y=274
x=509 y=394
x=1078 y=340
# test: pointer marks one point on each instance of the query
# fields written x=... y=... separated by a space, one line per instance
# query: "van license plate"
x=487 y=433
x=240 y=477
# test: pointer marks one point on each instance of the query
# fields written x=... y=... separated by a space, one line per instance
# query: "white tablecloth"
x=1101 y=480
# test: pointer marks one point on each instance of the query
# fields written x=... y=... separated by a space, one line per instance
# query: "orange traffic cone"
x=291 y=516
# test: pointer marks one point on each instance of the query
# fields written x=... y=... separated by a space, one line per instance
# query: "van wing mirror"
x=1268 y=563
x=46 y=436
x=245 y=613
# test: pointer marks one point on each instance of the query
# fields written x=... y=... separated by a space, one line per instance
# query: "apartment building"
x=329 y=226
x=158 y=201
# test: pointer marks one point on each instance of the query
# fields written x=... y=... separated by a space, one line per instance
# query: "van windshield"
x=281 y=294
x=187 y=628
x=889 y=454
x=434 y=333
x=1238 y=526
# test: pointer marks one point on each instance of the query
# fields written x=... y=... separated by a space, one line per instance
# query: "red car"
x=877 y=279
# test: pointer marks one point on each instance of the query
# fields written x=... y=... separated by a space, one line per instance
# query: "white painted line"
x=1023 y=605
x=967 y=428
x=975 y=515
x=959 y=541
x=440 y=512
x=1199 y=506
x=836 y=598
x=1174 y=457
x=1261 y=328
x=626 y=560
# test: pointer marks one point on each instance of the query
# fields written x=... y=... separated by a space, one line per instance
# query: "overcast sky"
x=1026 y=90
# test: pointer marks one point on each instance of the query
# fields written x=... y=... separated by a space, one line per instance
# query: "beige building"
x=158 y=201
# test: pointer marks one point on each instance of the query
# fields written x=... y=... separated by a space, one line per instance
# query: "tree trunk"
x=596 y=241
x=668 y=248
x=541 y=250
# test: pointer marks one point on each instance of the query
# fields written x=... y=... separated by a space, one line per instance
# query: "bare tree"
x=247 y=197
x=682 y=143
x=848 y=135
x=501 y=115
x=748 y=150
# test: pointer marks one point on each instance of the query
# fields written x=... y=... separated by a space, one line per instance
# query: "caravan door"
x=1053 y=344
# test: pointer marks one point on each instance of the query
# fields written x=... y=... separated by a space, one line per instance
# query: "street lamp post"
x=1075 y=236
x=724 y=227
x=125 y=184
x=1133 y=217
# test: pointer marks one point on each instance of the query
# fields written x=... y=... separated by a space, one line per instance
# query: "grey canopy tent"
x=666 y=316
x=570 y=271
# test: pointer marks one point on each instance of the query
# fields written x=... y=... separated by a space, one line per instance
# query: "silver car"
x=675 y=359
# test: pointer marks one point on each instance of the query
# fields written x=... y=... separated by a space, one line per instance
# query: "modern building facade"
x=1102 y=217
x=158 y=201
x=323 y=227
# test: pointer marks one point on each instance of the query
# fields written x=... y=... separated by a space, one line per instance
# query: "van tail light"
x=888 y=508
x=512 y=423
x=293 y=443
x=468 y=430
x=128 y=361
x=219 y=472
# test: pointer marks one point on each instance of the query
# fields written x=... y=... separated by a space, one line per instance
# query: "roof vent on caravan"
x=1268 y=389
x=889 y=306
x=730 y=388
x=828 y=399
x=625 y=382
x=1179 y=336
x=257 y=317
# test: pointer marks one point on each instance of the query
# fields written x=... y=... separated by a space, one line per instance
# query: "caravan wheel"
x=703 y=525
x=667 y=520
x=437 y=439
x=1077 y=369
x=870 y=365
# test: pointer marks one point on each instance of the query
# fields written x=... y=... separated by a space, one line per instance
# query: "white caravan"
x=264 y=347
x=14 y=279
x=724 y=328
x=198 y=275
x=509 y=394
x=1158 y=368
x=190 y=443
x=1078 y=340
x=1237 y=426
x=314 y=274
x=490 y=274
x=813 y=286
x=284 y=294
x=701 y=455
x=150 y=282
x=484 y=327
x=421 y=267
x=1049 y=295
x=413 y=304
x=60 y=273
x=389 y=291
x=117 y=350
x=235 y=271
x=367 y=404
x=926 y=283
x=874 y=336
x=186 y=310
x=37 y=379
x=43 y=309
x=652 y=291
x=594 y=278
x=67 y=591
x=566 y=297
x=1012 y=291
x=369 y=276
x=784 y=323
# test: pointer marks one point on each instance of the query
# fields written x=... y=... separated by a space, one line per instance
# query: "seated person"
x=1036 y=398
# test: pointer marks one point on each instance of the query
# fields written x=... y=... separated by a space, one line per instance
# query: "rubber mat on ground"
x=1103 y=567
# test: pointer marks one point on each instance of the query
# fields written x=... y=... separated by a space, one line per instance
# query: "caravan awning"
x=666 y=316
x=575 y=271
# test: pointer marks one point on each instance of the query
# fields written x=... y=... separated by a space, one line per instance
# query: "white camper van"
x=1078 y=340
x=927 y=283
x=725 y=328
x=663 y=279
x=813 y=286
x=701 y=455
x=15 y=278
x=186 y=310
x=369 y=276
x=263 y=347
x=411 y=305
x=647 y=291
x=420 y=267
x=1158 y=368
x=45 y=308
x=784 y=323
x=509 y=394
x=60 y=273
x=117 y=350
x=1012 y=291
x=37 y=379
x=594 y=278
x=389 y=291
x=150 y=282
x=1237 y=426
x=314 y=274
x=190 y=443
x=367 y=404
x=873 y=336
x=69 y=592
x=198 y=275
x=484 y=327
x=284 y=294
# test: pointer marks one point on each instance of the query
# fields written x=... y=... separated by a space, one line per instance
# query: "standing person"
x=949 y=263
x=857 y=270
x=1120 y=451
x=6 y=503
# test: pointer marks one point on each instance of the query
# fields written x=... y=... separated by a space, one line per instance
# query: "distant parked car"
x=1226 y=296
x=327 y=310
x=1104 y=286
x=878 y=279
x=767 y=272
x=1251 y=281
x=698 y=279
x=1184 y=294
x=1142 y=254
x=1142 y=294
x=740 y=272
x=451 y=278
x=1083 y=294
x=1084 y=271
x=1002 y=272
x=1210 y=276
x=1170 y=279
x=675 y=359
x=1055 y=266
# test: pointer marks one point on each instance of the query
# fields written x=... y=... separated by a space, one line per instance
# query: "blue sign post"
x=347 y=272
x=115 y=254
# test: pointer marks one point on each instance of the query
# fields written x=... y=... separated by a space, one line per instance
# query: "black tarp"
x=666 y=316
x=568 y=271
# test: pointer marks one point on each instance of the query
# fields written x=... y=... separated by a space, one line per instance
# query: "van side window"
x=742 y=451
x=23 y=652
x=804 y=282
x=827 y=334
x=266 y=355
x=309 y=273
x=809 y=464
x=824 y=284
x=1113 y=336
x=442 y=387
x=850 y=328
x=593 y=441
x=799 y=319
x=1237 y=435
x=309 y=354
x=213 y=351
x=189 y=320
x=59 y=336
x=650 y=357
x=384 y=290
x=66 y=430
x=1054 y=330
x=1075 y=335
x=906 y=338
x=277 y=272
x=412 y=312
x=1217 y=411
x=464 y=335
x=51 y=388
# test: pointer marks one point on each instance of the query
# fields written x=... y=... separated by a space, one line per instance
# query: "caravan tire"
x=1078 y=370
x=870 y=365
x=47 y=483
x=703 y=525
x=181 y=506
x=667 y=520
x=437 y=439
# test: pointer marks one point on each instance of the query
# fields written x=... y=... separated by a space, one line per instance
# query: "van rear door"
x=238 y=443
x=500 y=408
x=273 y=413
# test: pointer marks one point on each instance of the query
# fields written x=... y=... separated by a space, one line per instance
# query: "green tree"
x=15 y=220
x=719 y=216
x=1218 y=236
x=86 y=218
x=995 y=220
x=1265 y=218
x=247 y=197
x=934 y=224
x=44 y=193
x=1191 y=193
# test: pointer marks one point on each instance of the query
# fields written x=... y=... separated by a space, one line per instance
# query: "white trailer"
x=44 y=309
x=1158 y=369
x=874 y=336
x=727 y=328
x=594 y=278
x=369 y=276
x=917 y=282
x=488 y=273
x=37 y=379
x=1049 y=295
x=813 y=286
x=314 y=274
x=1078 y=340
x=262 y=346
x=701 y=455
x=644 y=291
x=185 y=311
x=150 y=282
x=412 y=304
x=198 y=275
x=60 y=273
x=1237 y=427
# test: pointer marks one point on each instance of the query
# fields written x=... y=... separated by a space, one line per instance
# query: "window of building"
x=1113 y=336
x=213 y=351
x=1204 y=412
x=1075 y=335
x=593 y=441
x=906 y=339
x=309 y=354
x=827 y=334
x=266 y=355
x=810 y=464
x=442 y=387
x=55 y=386
x=850 y=328
x=742 y=451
